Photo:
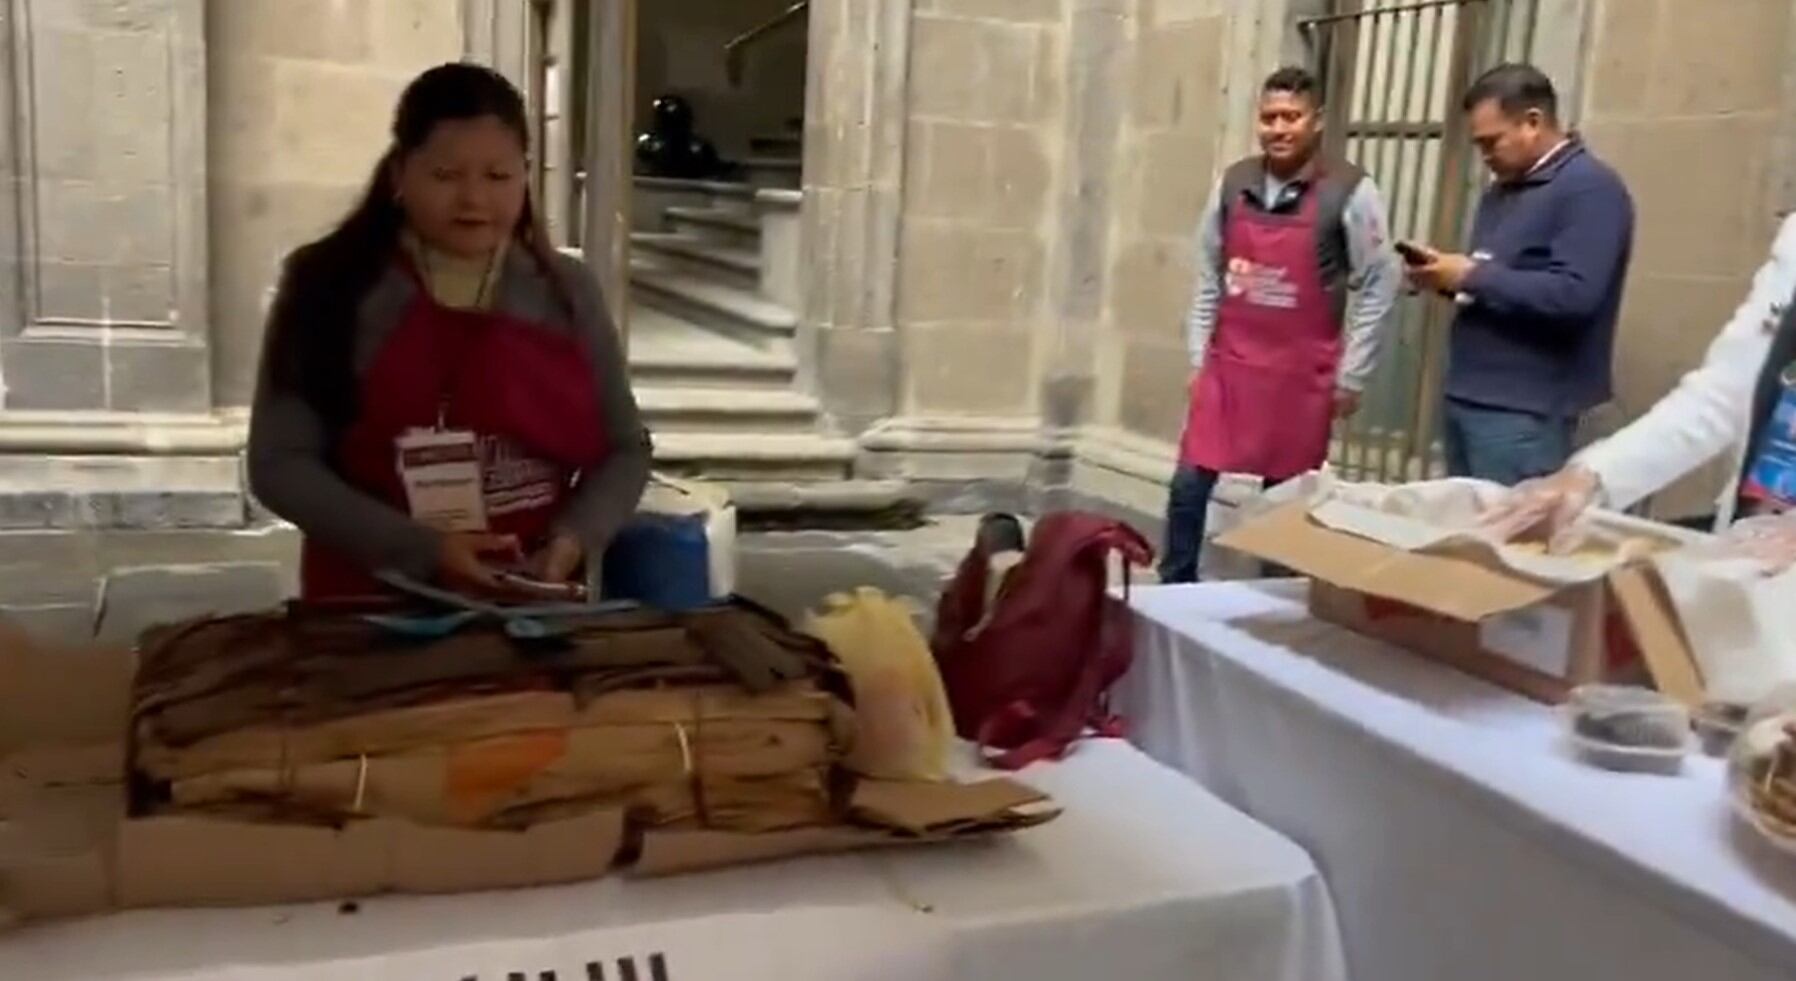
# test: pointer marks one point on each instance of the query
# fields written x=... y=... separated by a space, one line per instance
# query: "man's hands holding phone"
x=1414 y=256
x=1439 y=272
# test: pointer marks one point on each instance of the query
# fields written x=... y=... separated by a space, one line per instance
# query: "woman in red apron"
x=442 y=395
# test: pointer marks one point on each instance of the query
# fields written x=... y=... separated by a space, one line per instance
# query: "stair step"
x=774 y=171
x=774 y=504
x=734 y=312
x=713 y=410
x=755 y=456
x=716 y=224
x=654 y=195
x=777 y=145
x=670 y=351
x=733 y=265
x=720 y=189
x=41 y=492
x=685 y=371
x=835 y=495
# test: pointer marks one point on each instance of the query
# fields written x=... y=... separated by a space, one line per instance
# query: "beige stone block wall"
x=1686 y=105
x=1169 y=155
x=981 y=165
x=301 y=95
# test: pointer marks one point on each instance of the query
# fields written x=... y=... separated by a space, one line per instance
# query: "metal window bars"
x=1393 y=72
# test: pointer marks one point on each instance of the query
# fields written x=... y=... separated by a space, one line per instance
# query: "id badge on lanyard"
x=444 y=487
x=1772 y=476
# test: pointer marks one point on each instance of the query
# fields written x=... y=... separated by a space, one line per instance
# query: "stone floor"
x=791 y=572
x=788 y=571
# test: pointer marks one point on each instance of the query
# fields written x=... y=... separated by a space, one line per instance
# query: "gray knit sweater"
x=289 y=469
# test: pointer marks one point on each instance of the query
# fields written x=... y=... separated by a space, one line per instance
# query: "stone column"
x=556 y=151
x=611 y=100
x=1099 y=36
x=102 y=229
x=497 y=34
x=302 y=97
x=855 y=127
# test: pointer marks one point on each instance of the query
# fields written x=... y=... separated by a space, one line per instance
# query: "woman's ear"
x=395 y=163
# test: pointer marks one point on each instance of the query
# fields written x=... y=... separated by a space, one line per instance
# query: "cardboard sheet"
x=66 y=847
x=1406 y=565
x=1453 y=585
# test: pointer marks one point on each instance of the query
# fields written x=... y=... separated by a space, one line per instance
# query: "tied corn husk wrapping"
x=905 y=729
x=327 y=719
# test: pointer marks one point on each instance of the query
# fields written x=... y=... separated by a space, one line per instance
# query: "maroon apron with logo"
x=526 y=392
x=1264 y=400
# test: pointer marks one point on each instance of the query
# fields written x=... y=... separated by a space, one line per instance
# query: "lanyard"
x=481 y=294
x=428 y=284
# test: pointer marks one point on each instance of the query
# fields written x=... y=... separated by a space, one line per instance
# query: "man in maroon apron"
x=1276 y=352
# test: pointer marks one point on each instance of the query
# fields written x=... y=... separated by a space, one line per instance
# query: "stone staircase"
x=714 y=289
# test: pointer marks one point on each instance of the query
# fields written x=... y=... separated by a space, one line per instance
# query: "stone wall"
x=680 y=49
x=1056 y=160
x=985 y=101
x=302 y=96
x=1170 y=146
x=102 y=207
x=1688 y=105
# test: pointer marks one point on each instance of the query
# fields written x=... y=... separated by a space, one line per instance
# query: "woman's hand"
x=559 y=560
x=462 y=560
x=1771 y=539
x=1549 y=504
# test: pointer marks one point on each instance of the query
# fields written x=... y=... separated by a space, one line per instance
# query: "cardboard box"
x=1457 y=606
x=67 y=846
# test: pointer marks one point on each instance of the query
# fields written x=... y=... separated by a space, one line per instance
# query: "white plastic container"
x=1718 y=725
x=1634 y=730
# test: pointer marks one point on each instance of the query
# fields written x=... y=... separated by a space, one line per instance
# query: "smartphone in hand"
x=1413 y=254
x=566 y=592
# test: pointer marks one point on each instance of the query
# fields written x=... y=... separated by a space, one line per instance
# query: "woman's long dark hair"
x=311 y=332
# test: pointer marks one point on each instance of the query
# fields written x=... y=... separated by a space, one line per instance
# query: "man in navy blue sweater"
x=1541 y=290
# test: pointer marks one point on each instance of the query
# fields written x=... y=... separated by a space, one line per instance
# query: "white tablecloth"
x=1459 y=838
x=1145 y=876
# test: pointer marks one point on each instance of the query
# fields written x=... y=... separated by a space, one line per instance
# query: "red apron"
x=1264 y=400
x=525 y=390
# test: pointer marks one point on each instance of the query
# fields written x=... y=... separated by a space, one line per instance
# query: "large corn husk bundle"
x=721 y=718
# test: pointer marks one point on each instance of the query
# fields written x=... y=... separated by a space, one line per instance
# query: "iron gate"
x=1393 y=72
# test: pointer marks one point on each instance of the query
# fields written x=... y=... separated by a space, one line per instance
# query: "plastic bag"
x=1736 y=598
x=904 y=728
x=1768 y=539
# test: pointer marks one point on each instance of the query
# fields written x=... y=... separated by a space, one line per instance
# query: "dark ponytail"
x=312 y=328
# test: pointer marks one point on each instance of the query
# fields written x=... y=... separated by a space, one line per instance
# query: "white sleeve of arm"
x=1201 y=321
x=1706 y=414
x=1375 y=276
